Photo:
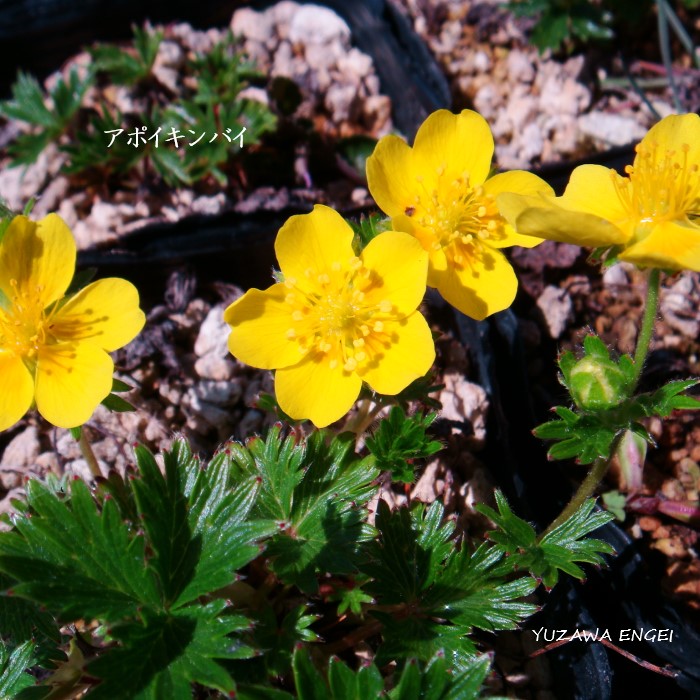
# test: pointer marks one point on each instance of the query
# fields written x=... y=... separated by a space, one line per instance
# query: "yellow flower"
x=53 y=349
x=439 y=192
x=652 y=214
x=336 y=320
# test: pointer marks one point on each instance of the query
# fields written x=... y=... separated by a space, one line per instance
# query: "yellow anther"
x=290 y=298
x=323 y=279
x=358 y=342
x=297 y=316
x=481 y=211
x=336 y=267
x=350 y=364
x=333 y=364
x=324 y=346
x=385 y=306
x=290 y=334
x=364 y=329
x=360 y=356
x=378 y=327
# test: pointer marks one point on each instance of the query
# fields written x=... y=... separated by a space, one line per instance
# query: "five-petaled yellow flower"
x=53 y=348
x=439 y=192
x=337 y=319
x=652 y=215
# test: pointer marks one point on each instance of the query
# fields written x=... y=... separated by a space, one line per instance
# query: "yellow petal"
x=592 y=190
x=71 y=381
x=485 y=285
x=316 y=243
x=260 y=322
x=391 y=175
x=520 y=182
x=455 y=144
x=669 y=245
x=400 y=267
x=541 y=217
x=314 y=390
x=408 y=355
x=106 y=313
x=16 y=389
x=676 y=133
x=39 y=256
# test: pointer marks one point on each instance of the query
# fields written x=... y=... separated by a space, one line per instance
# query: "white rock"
x=520 y=67
x=211 y=347
x=342 y=102
x=355 y=65
x=679 y=306
x=253 y=25
x=532 y=141
x=616 y=276
x=557 y=308
x=22 y=450
x=281 y=14
x=316 y=24
x=463 y=400
x=213 y=334
x=612 y=129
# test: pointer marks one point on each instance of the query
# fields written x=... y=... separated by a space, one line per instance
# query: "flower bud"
x=597 y=383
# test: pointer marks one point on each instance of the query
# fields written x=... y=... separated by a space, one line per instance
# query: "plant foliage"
x=601 y=388
x=248 y=574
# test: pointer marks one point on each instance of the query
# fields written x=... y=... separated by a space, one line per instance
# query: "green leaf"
x=13 y=669
x=280 y=637
x=196 y=523
x=414 y=563
x=27 y=103
x=119 y=387
x=22 y=621
x=559 y=550
x=437 y=679
x=316 y=489
x=127 y=67
x=117 y=404
x=81 y=279
x=149 y=583
x=75 y=560
x=400 y=439
x=169 y=653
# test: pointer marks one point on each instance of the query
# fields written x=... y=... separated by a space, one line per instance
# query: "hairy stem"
x=647 y=330
x=601 y=465
x=587 y=487
x=366 y=413
x=88 y=454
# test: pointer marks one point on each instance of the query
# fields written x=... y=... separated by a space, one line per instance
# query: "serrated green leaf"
x=27 y=103
x=13 y=669
x=76 y=561
x=310 y=684
x=167 y=654
x=399 y=439
x=315 y=489
x=559 y=550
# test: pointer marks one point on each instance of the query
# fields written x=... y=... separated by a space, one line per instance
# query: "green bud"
x=597 y=383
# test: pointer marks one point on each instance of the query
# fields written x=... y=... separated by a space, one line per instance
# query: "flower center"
x=23 y=326
x=661 y=185
x=456 y=217
x=331 y=318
